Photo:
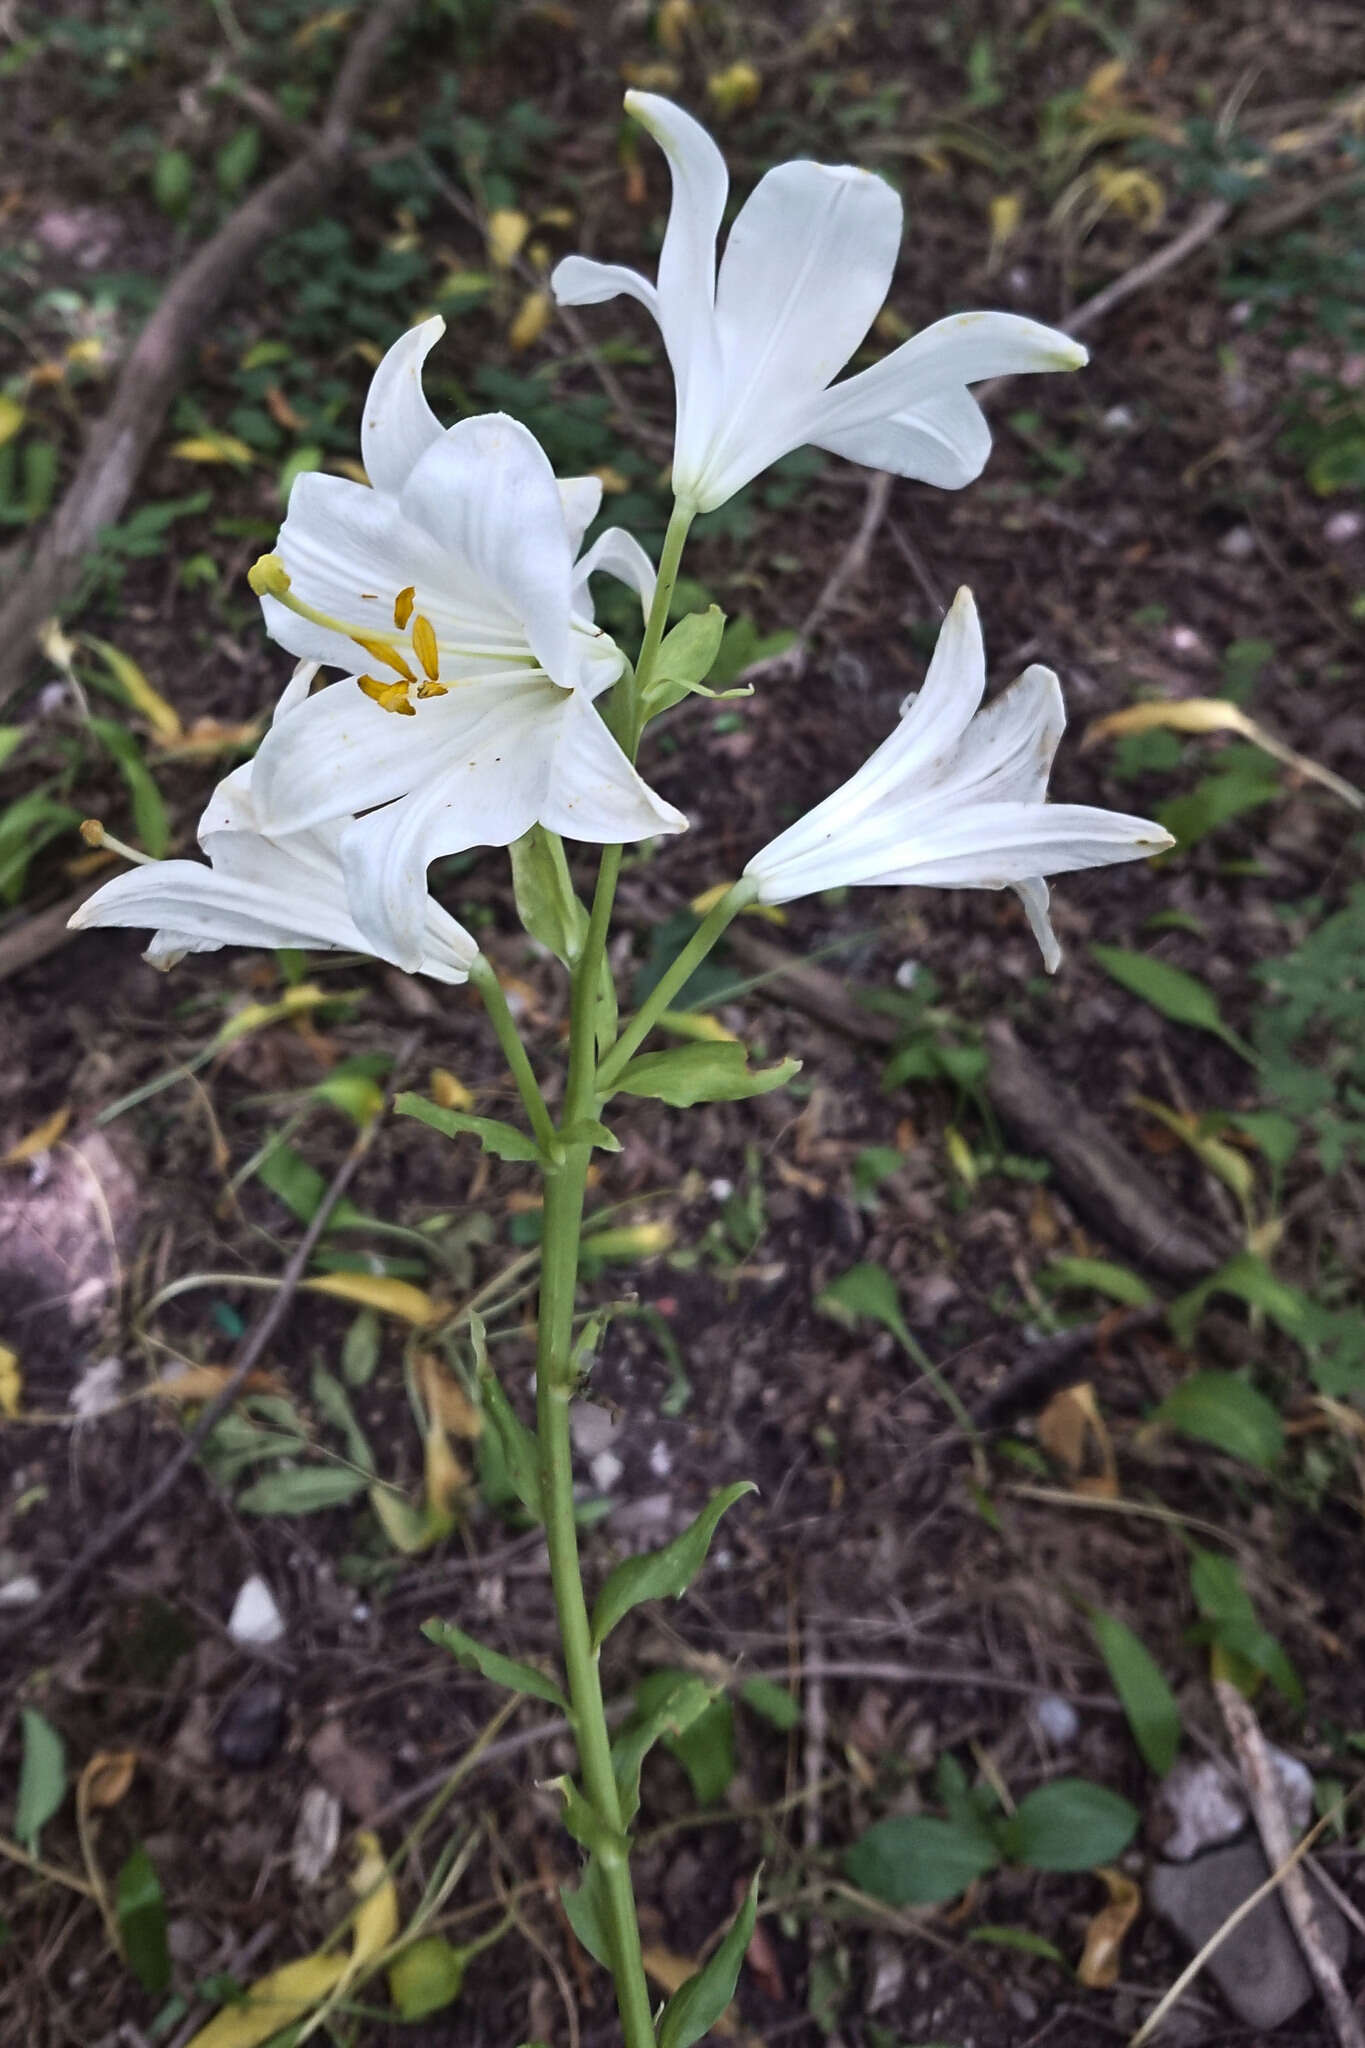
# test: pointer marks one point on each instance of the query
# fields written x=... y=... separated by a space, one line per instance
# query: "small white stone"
x=1238 y=544
x=1056 y=1720
x=660 y=1459
x=255 y=1619
x=907 y=974
x=1342 y=526
x=96 y=1391
x=606 y=1468
x=1118 y=420
x=21 y=1591
x=721 y=1189
x=316 y=1837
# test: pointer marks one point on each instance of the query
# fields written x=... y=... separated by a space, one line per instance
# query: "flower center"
x=269 y=578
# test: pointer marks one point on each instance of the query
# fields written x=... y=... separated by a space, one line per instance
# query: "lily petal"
x=963 y=349
x=339 y=753
x=998 y=846
x=621 y=555
x=1034 y=896
x=687 y=260
x=398 y=426
x=1006 y=753
x=596 y=795
x=806 y=267
x=580 y=281
x=580 y=500
x=944 y=442
x=487 y=495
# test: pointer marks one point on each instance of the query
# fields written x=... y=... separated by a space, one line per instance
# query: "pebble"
x=1056 y=1720
x=605 y=1469
x=1342 y=526
x=20 y=1591
x=97 y=1389
x=1238 y=544
x=255 y=1619
x=1258 y=1967
x=316 y=1836
x=252 y=1728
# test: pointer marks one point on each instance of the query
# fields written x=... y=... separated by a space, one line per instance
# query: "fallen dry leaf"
x=1099 y=1964
x=106 y=1778
x=41 y=1138
x=1072 y=1430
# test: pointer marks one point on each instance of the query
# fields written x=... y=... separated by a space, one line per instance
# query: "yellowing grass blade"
x=161 y=716
x=1215 y=714
x=376 y=1290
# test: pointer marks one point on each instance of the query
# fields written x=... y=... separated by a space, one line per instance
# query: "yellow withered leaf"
x=41 y=1138
x=11 y=1382
x=376 y=1918
x=532 y=319
x=11 y=417
x=1104 y=80
x=1071 y=1430
x=1006 y=212
x=696 y=1025
x=273 y=2003
x=507 y=230
x=377 y=1290
x=1099 y=1964
x=106 y=1778
x=732 y=90
x=1215 y=714
x=672 y=23
x=214 y=448
x=295 y=1002
x=448 y=1090
x=161 y=716
x=202 y=1382
x=445 y=1398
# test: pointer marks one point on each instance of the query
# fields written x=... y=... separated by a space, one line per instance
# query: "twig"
x=31 y=939
x=115 y=1534
x=1272 y=1824
x=108 y=469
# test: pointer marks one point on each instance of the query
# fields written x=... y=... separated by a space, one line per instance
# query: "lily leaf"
x=504 y=1141
x=707 y=1072
x=491 y=1664
x=659 y=1574
x=694 y=2009
x=684 y=1701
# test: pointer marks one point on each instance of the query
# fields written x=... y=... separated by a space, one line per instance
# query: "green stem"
x=675 y=977
x=679 y=522
x=563 y=1226
x=509 y=1038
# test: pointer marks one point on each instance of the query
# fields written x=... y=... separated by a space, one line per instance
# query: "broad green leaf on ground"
x=1177 y=995
x=1221 y=1409
x=140 y=1904
x=302 y=1490
x=491 y=1664
x=504 y=1141
x=1234 y=1627
x=1070 y=1824
x=42 y=1777
x=773 y=1702
x=1250 y=1280
x=710 y=1071
x=916 y=1859
x=1148 y=1701
x=693 y=2010
x=666 y=1573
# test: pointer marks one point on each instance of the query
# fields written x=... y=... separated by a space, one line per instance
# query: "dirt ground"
x=1137 y=525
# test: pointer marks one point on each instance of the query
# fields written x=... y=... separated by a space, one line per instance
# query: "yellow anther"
x=385 y=651
x=402 y=606
x=432 y=690
x=92 y=832
x=424 y=646
x=388 y=696
x=268 y=577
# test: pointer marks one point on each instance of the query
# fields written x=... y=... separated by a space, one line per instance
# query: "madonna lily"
x=754 y=346
x=956 y=798
x=450 y=593
x=258 y=890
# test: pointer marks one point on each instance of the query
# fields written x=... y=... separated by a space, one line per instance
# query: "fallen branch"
x=108 y=469
x=32 y=938
x=1116 y=1193
x=116 y=1533
x=1272 y=1825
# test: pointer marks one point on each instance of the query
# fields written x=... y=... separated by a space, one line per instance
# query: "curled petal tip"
x=1074 y=355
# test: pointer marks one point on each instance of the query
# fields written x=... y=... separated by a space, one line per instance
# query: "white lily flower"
x=259 y=890
x=455 y=576
x=754 y=347
x=956 y=798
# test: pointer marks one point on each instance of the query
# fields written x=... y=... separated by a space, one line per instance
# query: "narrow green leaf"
x=11 y=736
x=1101 y=1276
x=42 y=1777
x=330 y=1399
x=1021 y=1938
x=1227 y=1607
x=1220 y=1409
x=1249 y=1279
x=696 y=2006
x=659 y=1574
x=426 y=1977
x=1149 y=1703
x=360 y=1349
x=588 y=1131
x=140 y=1905
x=1170 y=990
x=520 y=1452
x=717 y=1071
x=584 y=1822
x=491 y=1664
x=549 y=911
x=915 y=1859
x=302 y=1490
x=150 y=821
x=502 y=1140
x=706 y=1751
x=586 y=1907
x=683 y=1701
x=1070 y=1824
